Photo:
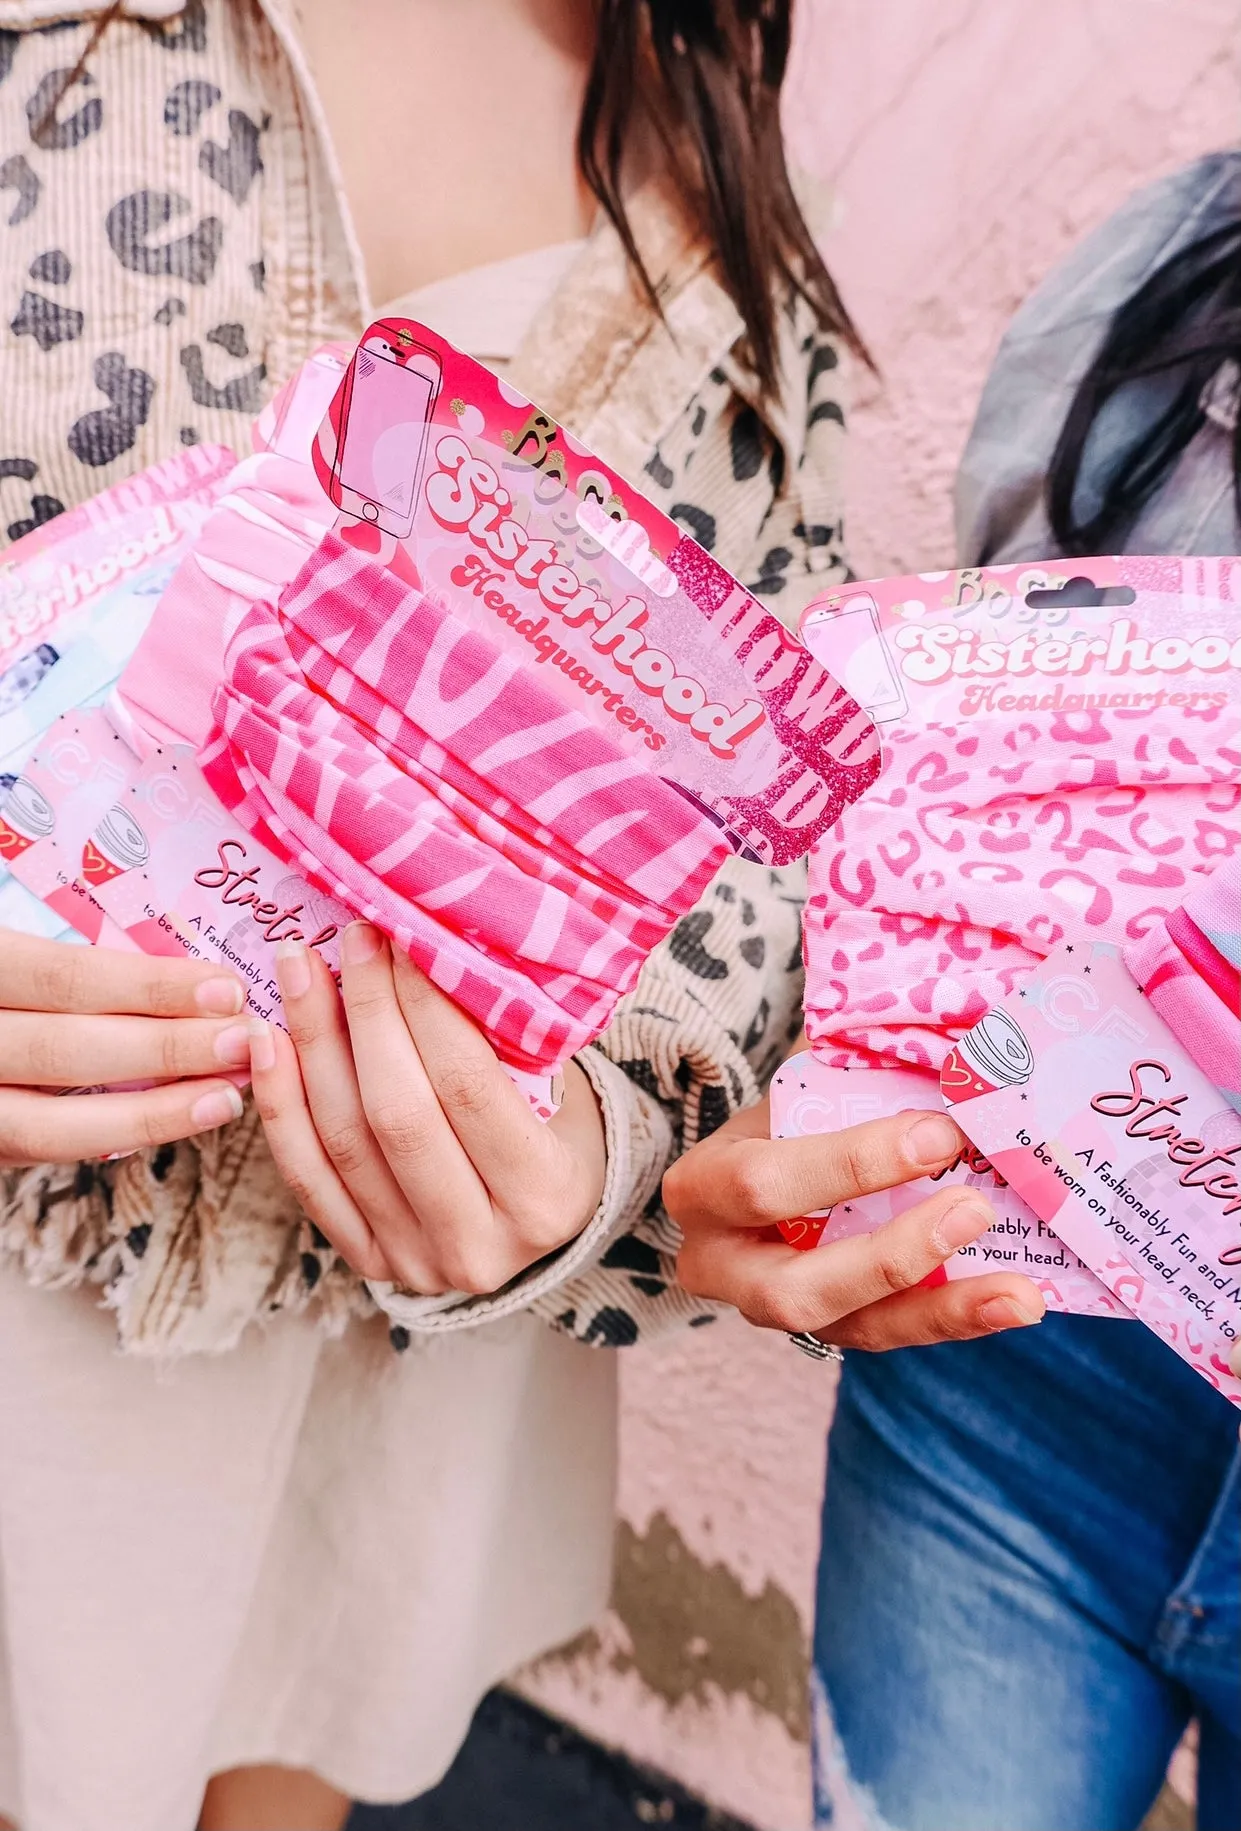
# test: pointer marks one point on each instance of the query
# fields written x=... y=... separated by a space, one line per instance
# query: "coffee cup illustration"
x=118 y=844
x=994 y=1054
x=28 y=816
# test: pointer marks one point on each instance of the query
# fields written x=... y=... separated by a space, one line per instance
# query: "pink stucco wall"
x=969 y=143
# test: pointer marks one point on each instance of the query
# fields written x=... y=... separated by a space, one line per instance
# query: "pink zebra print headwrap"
x=408 y=767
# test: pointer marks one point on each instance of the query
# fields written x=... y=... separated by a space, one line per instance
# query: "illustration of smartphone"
x=391 y=388
x=849 y=644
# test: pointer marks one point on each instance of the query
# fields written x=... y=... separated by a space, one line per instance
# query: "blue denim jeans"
x=1029 y=1583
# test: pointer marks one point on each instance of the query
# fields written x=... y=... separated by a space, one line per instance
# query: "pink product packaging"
x=58 y=569
x=1063 y=748
x=393 y=725
x=1189 y=965
x=1080 y=1095
x=75 y=597
x=809 y=1098
x=1063 y=779
x=478 y=499
x=424 y=777
x=79 y=771
x=266 y=522
x=138 y=854
x=533 y=901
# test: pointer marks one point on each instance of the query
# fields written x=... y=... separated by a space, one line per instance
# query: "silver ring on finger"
x=816 y=1349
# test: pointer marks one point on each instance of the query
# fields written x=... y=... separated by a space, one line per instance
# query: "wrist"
x=583 y=1130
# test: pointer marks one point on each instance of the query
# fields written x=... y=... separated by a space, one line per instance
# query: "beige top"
x=489 y=310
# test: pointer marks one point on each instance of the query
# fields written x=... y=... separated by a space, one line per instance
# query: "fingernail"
x=262 y=1047
x=963 y=1222
x=232 y=1046
x=932 y=1140
x=1009 y=1313
x=360 y=942
x=219 y=997
x=293 y=968
x=219 y=1107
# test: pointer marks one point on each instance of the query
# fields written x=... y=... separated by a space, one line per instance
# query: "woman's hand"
x=402 y=1137
x=728 y=1192
x=84 y=1017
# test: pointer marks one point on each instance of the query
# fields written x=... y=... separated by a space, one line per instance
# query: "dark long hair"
x=707 y=75
x=1179 y=326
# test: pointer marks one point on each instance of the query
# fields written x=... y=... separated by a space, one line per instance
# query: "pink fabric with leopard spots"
x=987 y=843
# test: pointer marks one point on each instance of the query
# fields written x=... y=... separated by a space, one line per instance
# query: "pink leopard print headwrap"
x=986 y=844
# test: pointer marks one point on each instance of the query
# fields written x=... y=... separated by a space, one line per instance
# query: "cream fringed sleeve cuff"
x=695 y=1041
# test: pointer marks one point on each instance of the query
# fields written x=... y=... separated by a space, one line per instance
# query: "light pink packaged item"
x=417 y=773
x=68 y=562
x=406 y=738
x=75 y=596
x=1083 y=1099
x=1064 y=767
x=1189 y=966
x=1057 y=768
x=268 y=519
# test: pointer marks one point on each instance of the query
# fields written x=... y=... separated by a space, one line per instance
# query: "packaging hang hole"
x=1079 y=593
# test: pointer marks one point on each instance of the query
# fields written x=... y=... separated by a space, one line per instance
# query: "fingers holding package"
x=865 y=1291
x=42 y=1128
x=40 y=975
x=80 y=1017
x=740 y=1177
x=401 y=1134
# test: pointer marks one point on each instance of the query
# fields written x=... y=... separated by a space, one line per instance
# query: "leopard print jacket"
x=171 y=248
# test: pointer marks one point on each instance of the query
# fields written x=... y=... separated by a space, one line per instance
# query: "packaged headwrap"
x=76 y=595
x=508 y=711
x=1062 y=774
x=1189 y=966
x=270 y=515
x=483 y=783
x=420 y=776
x=1054 y=769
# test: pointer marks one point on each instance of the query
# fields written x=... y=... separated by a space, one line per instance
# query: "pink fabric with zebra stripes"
x=412 y=769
